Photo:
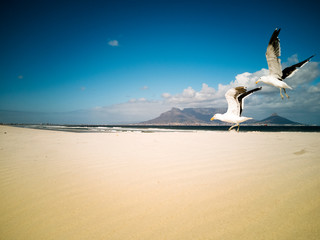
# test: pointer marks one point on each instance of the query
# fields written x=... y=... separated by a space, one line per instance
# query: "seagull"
x=276 y=75
x=235 y=98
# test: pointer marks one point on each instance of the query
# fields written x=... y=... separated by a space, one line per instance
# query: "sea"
x=169 y=128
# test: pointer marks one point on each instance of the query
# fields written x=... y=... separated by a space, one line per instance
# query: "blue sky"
x=127 y=61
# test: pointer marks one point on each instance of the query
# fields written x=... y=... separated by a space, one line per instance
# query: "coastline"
x=169 y=127
x=160 y=185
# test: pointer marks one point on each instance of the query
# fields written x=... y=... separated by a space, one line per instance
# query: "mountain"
x=201 y=116
x=275 y=119
x=187 y=116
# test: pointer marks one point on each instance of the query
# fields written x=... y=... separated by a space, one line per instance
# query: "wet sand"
x=166 y=185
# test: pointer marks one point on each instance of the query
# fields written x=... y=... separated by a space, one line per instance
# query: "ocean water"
x=150 y=129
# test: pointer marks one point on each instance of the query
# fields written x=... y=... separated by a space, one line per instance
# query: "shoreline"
x=164 y=128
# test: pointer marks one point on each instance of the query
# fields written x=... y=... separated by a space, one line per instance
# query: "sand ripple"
x=200 y=185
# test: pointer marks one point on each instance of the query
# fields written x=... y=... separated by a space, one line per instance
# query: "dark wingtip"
x=257 y=89
x=308 y=59
x=277 y=30
x=275 y=35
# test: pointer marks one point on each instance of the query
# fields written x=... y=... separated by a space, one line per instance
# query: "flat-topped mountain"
x=202 y=116
x=187 y=116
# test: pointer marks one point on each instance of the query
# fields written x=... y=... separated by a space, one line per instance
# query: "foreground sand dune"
x=169 y=185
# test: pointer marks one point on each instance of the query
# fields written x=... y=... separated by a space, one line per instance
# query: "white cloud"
x=145 y=88
x=135 y=110
x=305 y=75
x=113 y=43
x=166 y=95
x=304 y=98
x=314 y=89
x=190 y=97
x=303 y=105
x=290 y=61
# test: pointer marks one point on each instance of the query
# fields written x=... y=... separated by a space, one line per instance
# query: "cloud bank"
x=303 y=105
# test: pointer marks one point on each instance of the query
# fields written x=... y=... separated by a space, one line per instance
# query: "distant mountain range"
x=201 y=116
x=175 y=116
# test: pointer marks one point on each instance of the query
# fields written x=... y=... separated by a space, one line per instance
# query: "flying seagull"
x=276 y=75
x=235 y=98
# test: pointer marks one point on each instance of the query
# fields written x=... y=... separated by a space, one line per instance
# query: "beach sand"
x=162 y=185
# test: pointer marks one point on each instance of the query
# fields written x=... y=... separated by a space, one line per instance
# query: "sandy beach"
x=162 y=185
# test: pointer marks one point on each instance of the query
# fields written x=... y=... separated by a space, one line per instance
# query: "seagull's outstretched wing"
x=242 y=96
x=289 y=71
x=232 y=99
x=273 y=53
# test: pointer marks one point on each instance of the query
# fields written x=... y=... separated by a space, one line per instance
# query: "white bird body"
x=235 y=98
x=271 y=80
x=276 y=74
x=230 y=118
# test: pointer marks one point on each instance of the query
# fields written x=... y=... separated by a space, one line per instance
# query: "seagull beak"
x=257 y=82
x=212 y=119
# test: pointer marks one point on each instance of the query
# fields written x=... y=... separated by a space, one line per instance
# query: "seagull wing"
x=290 y=71
x=273 y=53
x=242 y=96
x=232 y=99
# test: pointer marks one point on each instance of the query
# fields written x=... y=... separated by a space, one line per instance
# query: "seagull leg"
x=284 y=90
x=238 y=127
x=281 y=93
x=232 y=127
